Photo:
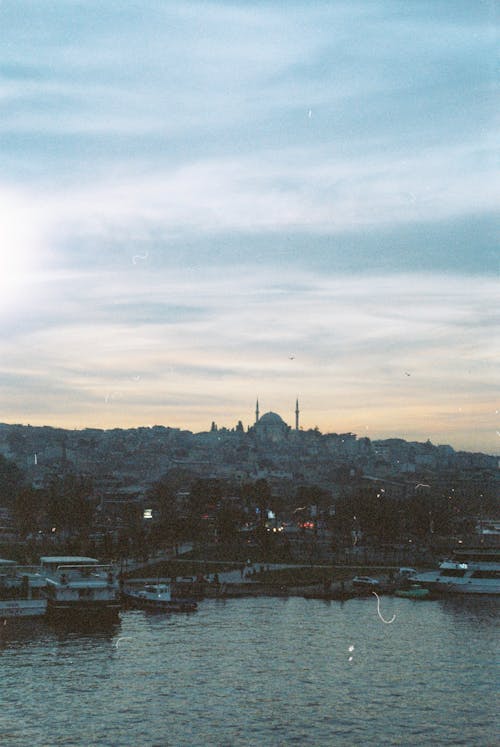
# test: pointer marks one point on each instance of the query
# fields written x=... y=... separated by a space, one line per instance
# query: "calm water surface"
x=258 y=672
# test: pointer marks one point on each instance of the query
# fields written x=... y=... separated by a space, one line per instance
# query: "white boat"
x=80 y=586
x=157 y=597
x=467 y=572
x=365 y=583
x=21 y=591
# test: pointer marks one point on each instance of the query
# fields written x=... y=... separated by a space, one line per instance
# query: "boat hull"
x=60 y=609
x=435 y=583
x=160 y=605
x=412 y=593
x=468 y=589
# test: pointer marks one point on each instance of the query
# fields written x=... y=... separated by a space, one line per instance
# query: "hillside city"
x=266 y=490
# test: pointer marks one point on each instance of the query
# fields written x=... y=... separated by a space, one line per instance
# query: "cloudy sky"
x=205 y=203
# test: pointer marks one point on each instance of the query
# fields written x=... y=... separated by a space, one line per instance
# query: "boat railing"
x=68 y=572
x=80 y=567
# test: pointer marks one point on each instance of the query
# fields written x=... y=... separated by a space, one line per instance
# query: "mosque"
x=271 y=426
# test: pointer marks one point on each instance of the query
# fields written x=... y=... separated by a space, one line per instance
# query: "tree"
x=205 y=494
x=174 y=522
x=229 y=519
x=262 y=494
x=11 y=481
x=313 y=495
x=29 y=510
x=70 y=505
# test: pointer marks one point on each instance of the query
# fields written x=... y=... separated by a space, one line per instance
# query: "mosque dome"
x=271 y=426
x=272 y=419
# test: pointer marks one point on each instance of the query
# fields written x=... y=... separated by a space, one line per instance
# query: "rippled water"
x=258 y=672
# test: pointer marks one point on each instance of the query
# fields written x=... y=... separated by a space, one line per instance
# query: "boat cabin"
x=79 y=584
x=21 y=591
x=70 y=569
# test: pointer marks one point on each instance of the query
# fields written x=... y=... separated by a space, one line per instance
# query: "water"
x=253 y=672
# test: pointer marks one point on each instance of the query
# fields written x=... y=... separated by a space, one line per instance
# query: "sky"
x=206 y=203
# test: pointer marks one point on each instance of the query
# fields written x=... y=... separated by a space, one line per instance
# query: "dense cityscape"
x=269 y=490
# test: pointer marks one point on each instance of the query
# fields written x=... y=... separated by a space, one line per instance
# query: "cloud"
x=177 y=121
x=293 y=191
x=170 y=211
x=225 y=77
x=345 y=345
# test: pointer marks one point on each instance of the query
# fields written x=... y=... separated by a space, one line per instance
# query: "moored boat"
x=365 y=585
x=469 y=571
x=80 y=586
x=414 y=591
x=157 y=597
x=21 y=592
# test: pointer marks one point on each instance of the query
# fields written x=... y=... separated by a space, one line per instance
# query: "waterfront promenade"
x=257 y=579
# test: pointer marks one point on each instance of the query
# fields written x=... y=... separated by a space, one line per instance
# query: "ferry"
x=80 y=586
x=158 y=598
x=468 y=571
x=21 y=591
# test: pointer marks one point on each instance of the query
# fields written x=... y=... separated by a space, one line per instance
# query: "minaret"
x=257 y=412
x=297 y=414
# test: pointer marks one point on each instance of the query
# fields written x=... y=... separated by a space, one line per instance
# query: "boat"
x=365 y=584
x=468 y=571
x=157 y=597
x=413 y=591
x=80 y=586
x=21 y=592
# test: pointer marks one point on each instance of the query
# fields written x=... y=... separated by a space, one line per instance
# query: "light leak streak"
x=123 y=638
x=387 y=622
